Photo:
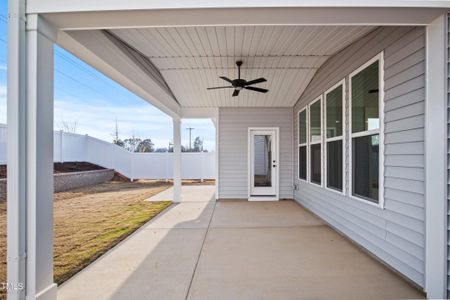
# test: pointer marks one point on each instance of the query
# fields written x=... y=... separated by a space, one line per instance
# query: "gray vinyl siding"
x=233 y=148
x=394 y=234
x=448 y=159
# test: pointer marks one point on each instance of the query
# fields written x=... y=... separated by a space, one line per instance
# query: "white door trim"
x=277 y=169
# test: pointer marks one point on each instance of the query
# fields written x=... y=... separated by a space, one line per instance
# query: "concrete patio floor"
x=236 y=250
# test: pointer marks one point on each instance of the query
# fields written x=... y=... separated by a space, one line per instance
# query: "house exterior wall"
x=448 y=156
x=233 y=148
x=395 y=234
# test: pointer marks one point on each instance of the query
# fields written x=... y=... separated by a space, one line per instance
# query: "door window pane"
x=302 y=127
x=316 y=164
x=365 y=166
x=334 y=112
x=263 y=161
x=334 y=165
x=365 y=90
x=302 y=162
x=315 y=124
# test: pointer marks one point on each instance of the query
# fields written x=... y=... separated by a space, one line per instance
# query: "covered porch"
x=170 y=54
x=234 y=249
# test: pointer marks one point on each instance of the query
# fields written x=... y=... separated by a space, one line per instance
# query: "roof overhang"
x=51 y=6
x=87 y=15
x=144 y=17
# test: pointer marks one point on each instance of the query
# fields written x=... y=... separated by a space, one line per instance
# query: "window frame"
x=380 y=131
x=306 y=144
x=320 y=99
x=340 y=138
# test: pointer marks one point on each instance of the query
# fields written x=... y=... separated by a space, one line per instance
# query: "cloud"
x=97 y=118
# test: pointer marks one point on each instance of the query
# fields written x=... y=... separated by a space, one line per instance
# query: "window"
x=315 y=141
x=334 y=124
x=366 y=87
x=302 y=144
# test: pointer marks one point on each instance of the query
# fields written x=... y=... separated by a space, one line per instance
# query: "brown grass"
x=89 y=221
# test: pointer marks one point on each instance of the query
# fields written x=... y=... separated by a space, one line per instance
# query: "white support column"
x=215 y=120
x=30 y=155
x=176 y=160
x=435 y=159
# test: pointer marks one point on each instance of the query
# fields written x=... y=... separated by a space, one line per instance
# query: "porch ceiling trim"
x=109 y=18
x=51 y=6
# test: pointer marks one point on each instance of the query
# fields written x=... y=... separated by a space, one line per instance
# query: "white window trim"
x=320 y=98
x=379 y=57
x=339 y=138
x=306 y=144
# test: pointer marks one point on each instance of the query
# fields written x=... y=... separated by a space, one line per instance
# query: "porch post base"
x=50 y=293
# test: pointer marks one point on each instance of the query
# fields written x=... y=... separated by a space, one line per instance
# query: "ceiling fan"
x=240 y=84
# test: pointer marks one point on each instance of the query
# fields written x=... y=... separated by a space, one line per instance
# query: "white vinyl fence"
x=68 y=147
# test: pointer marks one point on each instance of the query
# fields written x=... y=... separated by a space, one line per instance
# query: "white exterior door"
x=263 y=164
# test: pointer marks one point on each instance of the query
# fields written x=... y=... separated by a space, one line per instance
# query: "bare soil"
x=65 y=167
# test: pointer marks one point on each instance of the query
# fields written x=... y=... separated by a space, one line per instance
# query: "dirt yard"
x=65 y=167
x=91 y=220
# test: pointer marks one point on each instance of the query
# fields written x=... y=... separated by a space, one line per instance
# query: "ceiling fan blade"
x=226 y=79
x=255 y=81
x=256 y=89
x=235 y=93
x=219 y=87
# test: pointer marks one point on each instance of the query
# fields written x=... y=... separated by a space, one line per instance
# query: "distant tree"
x=69 y=127
x=119 y=143
x=183 y=148
x=162 y=150
x=198 y=145
x=145 y=146
x=131 y=143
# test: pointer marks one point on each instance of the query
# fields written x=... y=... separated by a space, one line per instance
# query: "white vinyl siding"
x=395 y=234
x=233 y=152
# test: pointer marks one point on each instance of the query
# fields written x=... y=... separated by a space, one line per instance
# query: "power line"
x=79 y=82
x=70 y=77
x=76 y=64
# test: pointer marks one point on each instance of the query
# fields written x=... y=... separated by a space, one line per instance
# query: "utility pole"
x=190 y=137
x=116 y=132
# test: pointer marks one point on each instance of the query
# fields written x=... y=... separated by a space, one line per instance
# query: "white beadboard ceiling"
x=192 y=59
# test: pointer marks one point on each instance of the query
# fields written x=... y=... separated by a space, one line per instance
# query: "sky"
x=86 y=97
